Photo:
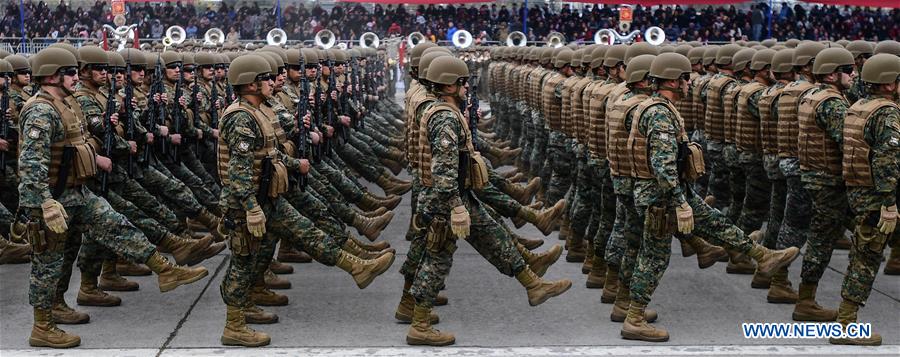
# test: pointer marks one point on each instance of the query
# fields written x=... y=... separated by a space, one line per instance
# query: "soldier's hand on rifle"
x=322 y=97
x=104 y=163
x=199 y=134
x=307 y=119
x=55 y=216
x=183 y=101
x=4 y=145
x=114 y=119
x=345 y=120
x=133 y=147
x=329 y=131
x=333 y=95
x=315 y=137
x=149 y=138
x=8 y=114
x=176 y=139
x=215 y=133
x=304 y=166
x=219 y=103
x=163 y=130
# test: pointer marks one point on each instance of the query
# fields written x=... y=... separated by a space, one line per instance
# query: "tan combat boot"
x=621 y=305
x=289 y=254
x=364 y=271
x=565 y=229
x=126 y=268
x=707 y=254
x=404 y=311
x=256 y=315
x=611 y=285
x=893 y=264
x=189 y=251
x=14 y=253
x=391 y=186
x=686 y=249
x=540 y=262
x=441 y=300
x=238 y=334
x=274 y=281
x=44 y=332
x=847 y=315
x=588 y=257
x=370 y=202
x=807 y=309
x=769 y=261
x=353 y=248
x=211 y=222
x=524 y=194
x=378 y=212
x=636 y=328
x=760 y=281
x=739 y=264
x=780 y=290
x=280 y=268
x=710 y=200
x=374 y=246
x=528 y=243
x=597 y=276
x=393 y=166
x=91 y=295
x=509 y=173
x=172 y=276
x=540 y=290
x=110 y=280
x=422 y=333
x=577 y=250
x=65 y=315
x=371 y=227
x=262 y=296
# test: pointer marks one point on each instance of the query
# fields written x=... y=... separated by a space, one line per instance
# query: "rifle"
x=177 y=112
x=317 y=117
x=357 y=94
x=329 y=105
x=4 y=123
x=473 y=107
x=195 y=109
x=129 y=120
x=109 y=135
x=302 y=133
x=214 y=112
x=158 y=111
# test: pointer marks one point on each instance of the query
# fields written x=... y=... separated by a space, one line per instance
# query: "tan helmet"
x=277 y=50
x=806 y=52
x=725 y=54
x=577 y=56
x=882 y=68
x=436 y=49
x=205 y=59
x=709 y=55
x=639 y=48
x=245 y=69
x=615 y=55
x=637 y=68
x=761 y=59
x=792 y=43
x=842 y=42
x=49 y=60
x=88 y=55
x=427 y=59
x=134 y=56
x=310 y=57
x=546 y=55
x=115 y=59
x=416 y=53
x=666 y=49
x=340 y=56
x=769 y=42
x=683 y=49
x=695 y=55
x=270 y=59
x=564 y=58
x=742 y=58
x=5 y=68
x=783 y=61
x=447 y=70
x=187 y=59
x=278 y=61
x=888 y=46
x=670 y=66
x=18 y=62
x=170 y=57
x=830 y=59
x=4 y=54
x=66 y=46
x=293 y=57
x=587 y=56
x=860 y=47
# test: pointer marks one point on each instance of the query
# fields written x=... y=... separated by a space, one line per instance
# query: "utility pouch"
x=437 y=235
x=869 y=238
x=657 y=221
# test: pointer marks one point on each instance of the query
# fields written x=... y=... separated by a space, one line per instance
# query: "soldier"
x=10 y=252
x=450 y=168
x=861 y=51
x=821 y=118
x=871 y=148
x=254 y=175
x=50 y=199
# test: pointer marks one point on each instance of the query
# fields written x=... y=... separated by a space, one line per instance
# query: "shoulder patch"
x=243 y=146
x=35 y=133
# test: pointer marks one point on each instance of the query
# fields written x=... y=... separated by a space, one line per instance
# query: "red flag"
x=137 y=38
x=105 y=43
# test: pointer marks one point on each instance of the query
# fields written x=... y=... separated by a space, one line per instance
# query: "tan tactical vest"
x=578 y=126
x=269 y=150
x=715 y=108
x=817 y=151
x=425 y=144
x=617 y=135
x=730 y=106
x=699 y=109
x=567 y=110
x=788 y=127
x=639 y=145
x=597 y=118
x=412 y=144
x=618 y=90
x=747 y=128
x=77 y=136
x=287 y=145
x=552 y=105
x=768 y=124
x=856 y=168
x=686 y=105
x=585 y=129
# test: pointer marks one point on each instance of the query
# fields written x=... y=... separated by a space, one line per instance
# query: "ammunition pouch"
x=438 y=235
x=279 y=183
x=85 y=162
x=41 y=238
x=868 y=238
x=478 y=171
x=239 y=239
x=658 y=222
x=289 y=148
x=691 y=164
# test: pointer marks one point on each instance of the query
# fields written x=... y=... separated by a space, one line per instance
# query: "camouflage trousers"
x=538 y=151
x=797 y=206
x=340 y=182
x=51 y=267
x=830 y=219
x=6 y=219
x=190 y=160
x=174 y=193
x=758 y=192
x=283 y=222
x=359 y=162
x=866 y=255
x=526 y=140
x=622 y=248
x=415 y=235
x=736 y=181
x=487 y=236
x=133 y=192
x=713 y=226
x=652 y=257
x=203 y=194
x=616 y=245
x=776 y=200
x=317 y=211
x=561 y=161
x=581 y=206
x=329 y=195
x=718 y=175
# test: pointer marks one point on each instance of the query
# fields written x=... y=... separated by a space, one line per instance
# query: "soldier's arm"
x=830 y=116
x=34 y=155
x=883 y=132
x=94 y=116
x=242 y=137
x=662 y=137
x=205 y=108
x=753 y=104
x=443 y=133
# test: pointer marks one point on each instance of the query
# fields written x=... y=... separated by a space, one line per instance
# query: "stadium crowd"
x=249 y=21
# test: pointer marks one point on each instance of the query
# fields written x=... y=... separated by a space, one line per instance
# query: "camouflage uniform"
x=797 y=204
x=757 y=186
x=715 y=146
